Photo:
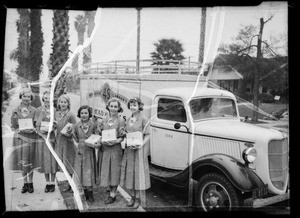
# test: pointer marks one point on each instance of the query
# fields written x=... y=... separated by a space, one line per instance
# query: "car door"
x=169 y=147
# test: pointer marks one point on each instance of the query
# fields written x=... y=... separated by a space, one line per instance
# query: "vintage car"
x=197 y=134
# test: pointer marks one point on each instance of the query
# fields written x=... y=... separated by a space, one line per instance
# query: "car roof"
x=185 y=93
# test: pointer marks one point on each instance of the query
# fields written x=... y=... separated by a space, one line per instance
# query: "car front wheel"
x=215 y=192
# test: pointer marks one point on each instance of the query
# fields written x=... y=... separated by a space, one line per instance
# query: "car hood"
x=234 y=129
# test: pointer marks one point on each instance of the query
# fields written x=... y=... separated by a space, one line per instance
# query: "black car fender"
x=240 y=175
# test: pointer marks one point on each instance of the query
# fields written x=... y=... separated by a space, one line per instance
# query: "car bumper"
x=261 y=202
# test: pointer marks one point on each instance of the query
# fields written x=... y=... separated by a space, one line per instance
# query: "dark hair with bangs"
x=115 y=100
x=138 y=100
x=85 y=107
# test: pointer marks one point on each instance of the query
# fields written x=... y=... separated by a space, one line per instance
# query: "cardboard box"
x=109 y=135
x=45 y=126
x=25 y=124
x=134 y=139
x=92 y=140
x=64 y=130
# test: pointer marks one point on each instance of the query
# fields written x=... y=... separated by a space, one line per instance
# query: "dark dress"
x=110 y=167
x=65 y=147
x=135 y=167
x=23 y=155
x=85 y=158
x=44 y=158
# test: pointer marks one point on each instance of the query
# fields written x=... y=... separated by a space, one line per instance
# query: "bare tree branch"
x=247 y=48
x=252 y=39
x=268 y=46
x=269 y=18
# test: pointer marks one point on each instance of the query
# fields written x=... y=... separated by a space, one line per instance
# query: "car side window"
x=171 y=109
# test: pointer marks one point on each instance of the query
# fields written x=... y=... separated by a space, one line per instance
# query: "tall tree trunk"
x=23 y=69
x=202 y=35
x=60 y=50
x=80 y=26
x=138 y=40
x=257 y=72
x=90 y=16
x=36 y=52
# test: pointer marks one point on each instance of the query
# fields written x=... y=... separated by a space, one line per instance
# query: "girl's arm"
x=146 y=139
x=14 y=121
x=75 y=134
x=72 y=120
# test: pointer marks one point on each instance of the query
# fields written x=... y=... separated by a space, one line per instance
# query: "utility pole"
x=257 y=71
x=202 y=35
x=138 y=40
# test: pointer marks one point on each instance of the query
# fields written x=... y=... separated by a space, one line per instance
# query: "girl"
x=135 y=168
x=65 y=147
x=24 y=140
x=85 y=159
x=45 y=159
x=112 y=150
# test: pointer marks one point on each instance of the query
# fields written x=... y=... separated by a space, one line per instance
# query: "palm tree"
x=138 y=39
x=36 y=52
x=90 y=17
x=60 y=49
x=202 y=35
x=167 y=49
x=80 y=26
x=21 y=53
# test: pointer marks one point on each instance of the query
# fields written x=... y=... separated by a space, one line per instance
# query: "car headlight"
x=249 y=155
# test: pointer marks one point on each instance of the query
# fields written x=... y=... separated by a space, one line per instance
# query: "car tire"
x=215 y=192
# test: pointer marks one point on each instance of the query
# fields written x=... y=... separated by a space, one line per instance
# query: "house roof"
x=225 y=72
x=186 y=92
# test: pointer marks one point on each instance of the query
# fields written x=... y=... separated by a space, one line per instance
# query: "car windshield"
x=203 y=108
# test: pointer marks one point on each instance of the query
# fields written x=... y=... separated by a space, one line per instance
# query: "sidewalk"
x=13 y=182
x=36 y=201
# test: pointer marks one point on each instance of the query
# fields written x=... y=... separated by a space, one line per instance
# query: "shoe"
x=52 y=188
x=131 y=202
x=110 y=200
x=90 y=196
x=106 y=199
x=47 y=188
x=30 y=187
x=137 y=203
x=24 y=188
x=86 y=194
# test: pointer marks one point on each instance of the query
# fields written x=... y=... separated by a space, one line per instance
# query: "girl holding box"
x=23 y=156
x=85 y=159
x=65 y=147
x=112 y=151
x=135 y=168
x=46 y=160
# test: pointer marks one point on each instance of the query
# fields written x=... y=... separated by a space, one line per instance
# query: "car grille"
x=278 y=162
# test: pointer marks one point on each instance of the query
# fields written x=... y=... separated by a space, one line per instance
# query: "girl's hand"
x=122 y=131
x=134 y=147
x=68 y=134
x=42 y=131
x=69 y=129
x=97 y=144
x=28 y=130
x=54 y=126
x=111 y=143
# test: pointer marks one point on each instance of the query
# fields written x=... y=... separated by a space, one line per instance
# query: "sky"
x=116 y=35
